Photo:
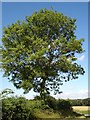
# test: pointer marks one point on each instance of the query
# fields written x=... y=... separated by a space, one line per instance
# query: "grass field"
x=82 y=109
x=47 y=114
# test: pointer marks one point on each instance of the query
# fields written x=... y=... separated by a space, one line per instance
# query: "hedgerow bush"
x=16 y=109
x=65 y=108
x=19 y=108
x=51 y=102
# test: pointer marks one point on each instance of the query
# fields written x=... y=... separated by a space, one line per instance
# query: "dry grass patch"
x=81 y=108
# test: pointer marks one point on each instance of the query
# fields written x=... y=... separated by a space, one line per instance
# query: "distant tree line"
x=80 y=102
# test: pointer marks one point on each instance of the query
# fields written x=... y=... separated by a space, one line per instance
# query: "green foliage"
x=64 y=105
x=16 y=109
x=35 y=104
x=65 y=108
x=40 y=52
x=80 y=102
x=51 y=102
x=86 y=102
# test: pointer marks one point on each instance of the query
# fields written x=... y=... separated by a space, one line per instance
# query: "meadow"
x=82 y=109
x=52 y=114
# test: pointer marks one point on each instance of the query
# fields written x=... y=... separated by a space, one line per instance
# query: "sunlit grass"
x=82 y=109
x=46 y=114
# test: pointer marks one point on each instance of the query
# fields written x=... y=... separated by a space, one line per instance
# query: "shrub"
x=16 y=109
x=51 y=102
x=64 y=107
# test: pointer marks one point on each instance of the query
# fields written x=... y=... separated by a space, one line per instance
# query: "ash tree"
x=40 y=52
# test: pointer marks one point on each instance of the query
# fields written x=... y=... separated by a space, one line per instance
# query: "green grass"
x=46 y=114
x=49 y=113
x=52 y=114
x=83 y=112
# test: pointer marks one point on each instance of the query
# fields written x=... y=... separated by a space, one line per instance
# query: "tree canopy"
x=40 y=52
